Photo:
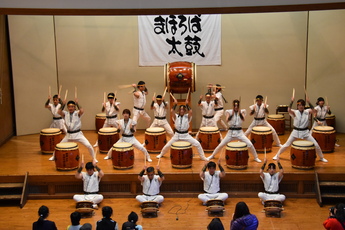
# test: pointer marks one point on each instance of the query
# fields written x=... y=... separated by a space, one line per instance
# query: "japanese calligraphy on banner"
x=170 y=38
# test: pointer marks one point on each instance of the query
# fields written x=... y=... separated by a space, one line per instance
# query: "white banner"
x=170 y=38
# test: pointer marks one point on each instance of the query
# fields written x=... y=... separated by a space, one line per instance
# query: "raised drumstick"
x=60 y=89
x=159 y=160
x=293 y=93
x=165 y=90
x=266 y=101
x=66 y=94
x=172 y=96
x=49 y=91
x=104 y=97
x=124 y=86
x=75 y=92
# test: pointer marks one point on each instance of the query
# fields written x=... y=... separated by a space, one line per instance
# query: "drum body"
x=49 y=138
x=330 y=120
x=123 y=155
x=215 y=205
x=273 y=208
x=84 y=207
x=209 y=138
x=67 y=156
x=282 y=109
x=278 y=123
x=325 y=137
x=236 y=155
x=107 y=137
x=99 y=121
x=181 y=154
x=303 y=155
x=149 y=207
x=180 y=76
x=261 y=137
x=155 y=139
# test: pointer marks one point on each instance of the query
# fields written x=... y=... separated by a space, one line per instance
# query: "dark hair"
x=126 y=111
x=43 y=212
x=236 y=102
x=211 y=164
x=208 y=93
x=71 y=102
x=55 y=96
x=271 y=165
x=319 y=99
x=301 y=101
x=340 y=213
x=215 y=224
x=150 y=169
x=111 y=95
x=89 y=165
x=141 y=83
x=107 y=211
x=260 y=97
x=75 y=218
x=182 y=106
x=241 y=209
x=133 y=217
x=159 y=97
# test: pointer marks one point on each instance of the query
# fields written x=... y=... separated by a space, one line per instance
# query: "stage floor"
x=22 y=154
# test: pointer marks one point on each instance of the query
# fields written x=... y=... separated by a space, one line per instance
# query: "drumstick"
x=293 y=92
x=82 y=158
x=49 y=91
x=154 y=95
x=115 y=94
x=145 y=159
x=165 y=90
x=60 y=89
x=104 y=97
x=75 y=92
x=172 y=96
x=254 y=101
x=124 y=86
x=188 y=92
x=159 y=160
x=265 y=100
x=66 y=94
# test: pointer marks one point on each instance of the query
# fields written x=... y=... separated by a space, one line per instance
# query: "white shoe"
x=106 y=158
x=95 y=145
x=336 y=145
x=257 y=160
x=52 y=158
x=95 y=206
x=275 y=157
x=323 y=160
x=149 y=160
x=159 y=156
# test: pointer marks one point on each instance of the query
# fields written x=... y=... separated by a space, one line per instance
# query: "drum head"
x=50 y=131
x=261 y=129
x=276 y=116
x=155 y=130
x=181 y=145
x=209 y=129
x=101 y=115
x=108 y=130
x=66 y=145
x=323 y=128
x=237 y=144
x=122 y=145
x=302 y=144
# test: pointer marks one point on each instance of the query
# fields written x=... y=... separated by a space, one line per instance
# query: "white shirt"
x=125 y=127
x=72 y=121
x=140 y=102
x=91 y=182
x=321 y=112
x=160 y=110
x=259 y=110
x=207 y=108
x=54 y=109
x=110 y=109
x=151 y=187
x=271 y=183
x=220 y=102
x=182 y=123
x=212 y=183
x=235 y=121
x=301 y=120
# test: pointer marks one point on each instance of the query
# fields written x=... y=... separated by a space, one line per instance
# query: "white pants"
x=60 y=124
x=293 y=136
x=218 y=118
x=135 y=143
x=142 y=198
x=207 y=196
x=138 y=113
x=111 y=122
x=239 y=136
x=263 y=123
x=94 y=198
x=183 y=137
x=265 y=196
x=165 y=125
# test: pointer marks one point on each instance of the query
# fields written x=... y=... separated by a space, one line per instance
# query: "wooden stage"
x=55 y=188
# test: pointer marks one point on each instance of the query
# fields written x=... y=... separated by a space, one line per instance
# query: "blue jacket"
x=248 y=222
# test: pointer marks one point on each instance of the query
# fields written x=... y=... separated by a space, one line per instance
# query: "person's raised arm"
x=141 y=174
x=160 y=174
x=203 y=170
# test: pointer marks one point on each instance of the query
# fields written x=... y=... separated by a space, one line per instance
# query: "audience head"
x=215 y=224
x=241 y=209
x=75 y=218
x=107 y=211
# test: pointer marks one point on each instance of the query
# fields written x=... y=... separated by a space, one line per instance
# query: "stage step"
x=331 y=190
x=11 y=185
x=14 y=191
x=10 y=197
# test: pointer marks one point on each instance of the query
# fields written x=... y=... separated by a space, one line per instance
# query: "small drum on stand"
x=215 y=206
x=123 y=155
x=149 y=208
x=107 y=137
x=303 y=155
x=84 y=207
x=278 y=123
x=180 y=77
x=282 y=109
x=67 y=156
x=261 y=137
x=181 y=154
x=155 y=139
x=325 y=137
x=236 y=155
x=209 y=138
x=99 y=121
x=330 y=120
x=273 y=208
x=49 y=138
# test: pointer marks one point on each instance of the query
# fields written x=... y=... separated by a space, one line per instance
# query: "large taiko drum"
x=155 y=139
x=123 y=155
x=49 y=138
x=325 y=137
x=99 y=120
x=278 y=123
x=303 y=155
x=282 y=109
x=180 y=77
x=330 y=120
x=236 y=155
x=66 y=156
x=261 y=137
x=181 y=154
x=107 y=137
x=209 y=138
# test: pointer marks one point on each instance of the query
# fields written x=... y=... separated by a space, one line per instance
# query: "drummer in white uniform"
x=259 y=110
x=160 y=111
x=320 y=112
x=271 y=180
x=219 y=108
x=151 y=184
x=211 y=180
x=127 y=128
x=91 y=181
x=181 y=130
x=235 y=117
x=72 y=119
x=58 y=121
x=139 y=99
x=300 y=130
